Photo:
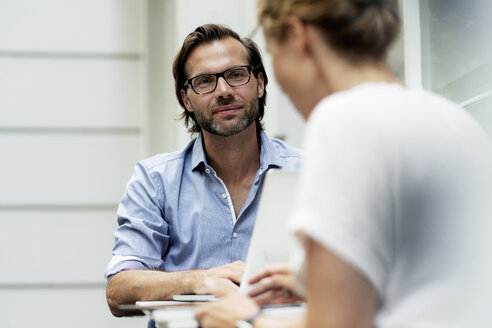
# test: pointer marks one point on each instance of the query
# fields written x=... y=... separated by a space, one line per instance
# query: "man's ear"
x=260 y=85
x=186 y=100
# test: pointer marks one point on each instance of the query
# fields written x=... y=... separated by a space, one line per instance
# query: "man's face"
x=227 y=110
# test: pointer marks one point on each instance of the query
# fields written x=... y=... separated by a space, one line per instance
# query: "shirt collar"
x=269 y=157
x=198 y=157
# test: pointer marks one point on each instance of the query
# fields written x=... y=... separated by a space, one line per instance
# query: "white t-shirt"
x=396 y=183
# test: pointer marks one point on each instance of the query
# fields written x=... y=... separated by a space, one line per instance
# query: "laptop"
x=271 y=241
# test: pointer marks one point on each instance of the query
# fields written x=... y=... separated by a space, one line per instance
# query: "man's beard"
x=221 y=128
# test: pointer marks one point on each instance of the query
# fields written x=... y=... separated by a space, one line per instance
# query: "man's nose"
x=223 y=88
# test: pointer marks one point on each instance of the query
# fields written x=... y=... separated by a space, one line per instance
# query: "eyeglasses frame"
x=219 y=75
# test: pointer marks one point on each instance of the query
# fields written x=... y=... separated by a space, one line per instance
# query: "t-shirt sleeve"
x=346 y=191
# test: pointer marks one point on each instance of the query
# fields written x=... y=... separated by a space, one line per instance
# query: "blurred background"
x=86 y=90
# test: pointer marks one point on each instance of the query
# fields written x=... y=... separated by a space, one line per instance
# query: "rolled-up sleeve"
x=142 y=236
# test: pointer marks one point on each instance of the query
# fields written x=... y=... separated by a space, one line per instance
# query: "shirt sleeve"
x=346 y=191
x=142 y=237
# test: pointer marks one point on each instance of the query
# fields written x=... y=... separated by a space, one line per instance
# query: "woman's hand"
x=230 y=307
x=274 y=285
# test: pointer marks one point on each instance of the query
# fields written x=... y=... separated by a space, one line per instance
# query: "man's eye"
x=203 y=81
x=237 y=75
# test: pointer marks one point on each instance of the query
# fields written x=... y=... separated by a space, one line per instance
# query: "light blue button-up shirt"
x=177 y=214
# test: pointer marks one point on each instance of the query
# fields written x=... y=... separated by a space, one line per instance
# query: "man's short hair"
x=206 y=34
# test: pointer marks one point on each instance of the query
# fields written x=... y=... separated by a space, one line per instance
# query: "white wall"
x=72 y=124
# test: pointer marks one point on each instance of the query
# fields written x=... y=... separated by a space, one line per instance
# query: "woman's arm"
x=338 y=294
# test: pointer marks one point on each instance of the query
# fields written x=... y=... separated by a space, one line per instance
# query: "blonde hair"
x=360 y=29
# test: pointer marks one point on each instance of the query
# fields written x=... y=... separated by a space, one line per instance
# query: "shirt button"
x=207 y=170
x=224 y=196
x=234 y=234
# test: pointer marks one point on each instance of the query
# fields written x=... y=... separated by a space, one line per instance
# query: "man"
x=187 y=216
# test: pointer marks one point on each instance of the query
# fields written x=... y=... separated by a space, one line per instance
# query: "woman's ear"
x=296 y=33
x=186 y=100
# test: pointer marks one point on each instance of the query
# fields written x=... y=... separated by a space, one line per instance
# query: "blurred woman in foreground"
x=393 y=207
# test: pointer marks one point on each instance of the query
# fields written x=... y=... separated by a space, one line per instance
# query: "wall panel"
x=71 y=26
x=57 y=92
x=56 y=246
x=66 y=169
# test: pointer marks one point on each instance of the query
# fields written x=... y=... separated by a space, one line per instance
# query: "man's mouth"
x=227 y=109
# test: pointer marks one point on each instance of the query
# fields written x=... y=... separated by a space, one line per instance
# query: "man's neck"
x=233 y=158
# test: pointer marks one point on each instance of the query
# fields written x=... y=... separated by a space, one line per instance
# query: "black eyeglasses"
x=234 y=76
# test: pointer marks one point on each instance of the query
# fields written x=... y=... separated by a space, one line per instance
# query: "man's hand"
x=275 y=285
x=130 y=286
x=227 y=277
x=232 y=271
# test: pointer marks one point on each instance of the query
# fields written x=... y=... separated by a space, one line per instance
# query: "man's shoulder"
x=281 y=154
x=163 y=160
x=283 y=149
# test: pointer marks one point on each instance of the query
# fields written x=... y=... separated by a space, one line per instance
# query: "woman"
x=393 y=205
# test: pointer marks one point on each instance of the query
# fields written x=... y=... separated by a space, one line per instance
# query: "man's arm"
x=338 y=294
x=130 y=286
